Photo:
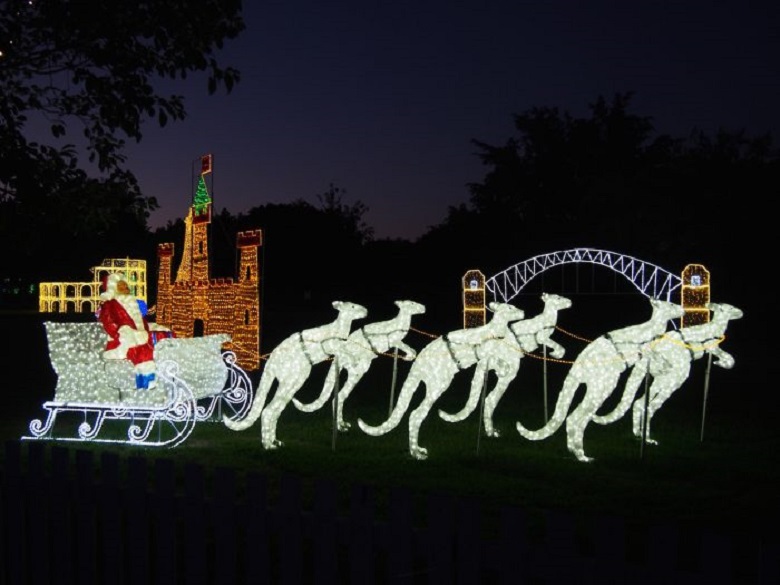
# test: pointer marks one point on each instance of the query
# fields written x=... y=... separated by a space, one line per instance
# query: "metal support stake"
x=645 y=424
x=481 y=407
x=392 y=382
x=544 y=363
x=335 y=404
x=706 y=391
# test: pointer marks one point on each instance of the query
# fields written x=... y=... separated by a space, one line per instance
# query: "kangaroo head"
x=556 y=301
x=410 y=307
x=506 y=312
x=665 y=310
x=352 y=310
x=730 y=312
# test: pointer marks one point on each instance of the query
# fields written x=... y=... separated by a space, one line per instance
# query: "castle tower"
x=246 y=332
x=164 y=284
x=195 y=257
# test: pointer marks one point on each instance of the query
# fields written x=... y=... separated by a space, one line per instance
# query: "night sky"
x=383 y=102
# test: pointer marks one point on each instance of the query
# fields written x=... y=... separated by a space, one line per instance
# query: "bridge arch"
x=649 y=279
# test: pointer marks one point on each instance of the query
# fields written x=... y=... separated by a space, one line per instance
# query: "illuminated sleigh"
x=197 y=381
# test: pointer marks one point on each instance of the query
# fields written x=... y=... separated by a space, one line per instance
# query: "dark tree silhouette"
x=608 y=181
x=350 y=217
x=84 y=72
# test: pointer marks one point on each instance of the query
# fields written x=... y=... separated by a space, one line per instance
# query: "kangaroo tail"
x=327 y=391
x=266 y=380
x=570 y=386
x=401 y=406
x=629 y=393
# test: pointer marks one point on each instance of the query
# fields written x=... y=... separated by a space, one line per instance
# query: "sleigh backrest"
x=75 y=351
x=83 y=376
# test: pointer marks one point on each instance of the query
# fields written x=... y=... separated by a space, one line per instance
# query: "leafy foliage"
x=609 y=181
x=349 y=216
x=84 y=72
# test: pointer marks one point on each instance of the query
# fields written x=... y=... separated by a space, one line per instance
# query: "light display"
x=123 y=317
x=436 y=366
x=195 y=304
x=669 y=364
x=473 y=299
x=598 y=367
x=84 y=297
x=290 y=364
x=210 y=316
x=503 y=356
x=360 y=350
x=195 y=376
x=202 y=201
x=206 y=164
x=695 y=295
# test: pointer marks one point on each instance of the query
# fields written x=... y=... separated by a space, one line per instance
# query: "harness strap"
x=368 y=340
x=303 y=347
x=452 y=353
x=703 y=344
x=617 y=348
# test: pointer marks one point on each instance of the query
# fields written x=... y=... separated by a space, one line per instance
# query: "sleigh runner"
x=95 y=399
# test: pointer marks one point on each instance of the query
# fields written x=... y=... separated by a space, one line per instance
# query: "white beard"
x=130 y=305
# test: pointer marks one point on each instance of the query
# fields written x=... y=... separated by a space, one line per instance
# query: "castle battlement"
x=250 y=238
x=164 y=250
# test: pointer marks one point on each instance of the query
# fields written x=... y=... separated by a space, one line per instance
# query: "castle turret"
x=246 y=334
x=164 y=285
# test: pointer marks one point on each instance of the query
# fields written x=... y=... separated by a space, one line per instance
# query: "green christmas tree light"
x=202 y=199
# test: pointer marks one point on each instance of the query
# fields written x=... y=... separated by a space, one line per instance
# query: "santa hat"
x=110 y=285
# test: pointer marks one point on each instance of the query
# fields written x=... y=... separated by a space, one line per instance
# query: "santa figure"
x=124 y=319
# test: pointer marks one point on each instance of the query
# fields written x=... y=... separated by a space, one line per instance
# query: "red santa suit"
x=128 y=331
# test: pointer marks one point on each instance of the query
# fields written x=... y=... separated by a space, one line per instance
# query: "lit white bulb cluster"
x=503 y=356
x=599 y=367
x=436 y=366
x=290 y=364
x=86 y=380
x=355 y=356
x=98 y=389
x=669 y=365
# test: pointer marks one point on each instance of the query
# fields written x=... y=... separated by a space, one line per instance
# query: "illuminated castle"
x=194 y=305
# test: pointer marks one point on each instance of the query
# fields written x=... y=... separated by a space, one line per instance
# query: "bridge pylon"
x=473 y=299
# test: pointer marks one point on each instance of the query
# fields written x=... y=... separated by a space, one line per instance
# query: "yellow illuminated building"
x=194 y=304
x=695 y=295
x=84 y=297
